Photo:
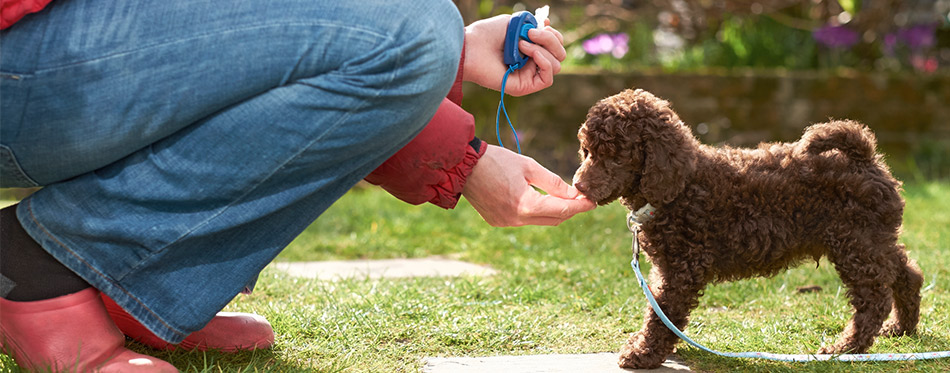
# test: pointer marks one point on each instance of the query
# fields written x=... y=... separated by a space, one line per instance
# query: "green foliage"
x=850 y=6
x=741 y=42
x=698 y=35
x=760 y=42
x=930 y=160
x=641 y=54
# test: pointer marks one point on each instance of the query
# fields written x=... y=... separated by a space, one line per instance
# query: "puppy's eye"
x=584 y=152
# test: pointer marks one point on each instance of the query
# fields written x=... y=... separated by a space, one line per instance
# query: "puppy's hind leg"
x=906 y=289
x=864 y=270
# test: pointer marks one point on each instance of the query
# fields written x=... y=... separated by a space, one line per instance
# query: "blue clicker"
x=518 y=28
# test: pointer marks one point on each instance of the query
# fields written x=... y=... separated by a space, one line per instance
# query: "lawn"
x=566 y=289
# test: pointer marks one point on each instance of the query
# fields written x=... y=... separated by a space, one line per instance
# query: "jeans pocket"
x=11 y=174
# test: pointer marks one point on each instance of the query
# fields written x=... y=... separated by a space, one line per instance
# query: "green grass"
x=566 y=289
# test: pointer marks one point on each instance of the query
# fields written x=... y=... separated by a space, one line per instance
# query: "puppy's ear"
x=669 y=152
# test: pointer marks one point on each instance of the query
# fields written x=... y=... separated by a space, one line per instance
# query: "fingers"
x=560 y=37
x=500 y=189
x=551 y=40
x=550 y=45
x=553 y=211
x=562 y=202
x=538 y=74
x=546 y=50
x=548 y=181
x=545 y=61
x=538 y=209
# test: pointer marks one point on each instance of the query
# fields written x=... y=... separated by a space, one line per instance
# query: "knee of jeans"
x=437 y=27
x=445 y=23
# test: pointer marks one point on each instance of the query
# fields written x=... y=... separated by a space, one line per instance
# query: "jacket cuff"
x=434 y=166
x=449 y=192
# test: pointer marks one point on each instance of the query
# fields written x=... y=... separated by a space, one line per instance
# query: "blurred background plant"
x=678 y=35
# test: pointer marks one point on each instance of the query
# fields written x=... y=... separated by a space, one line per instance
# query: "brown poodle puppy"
x=725 y=213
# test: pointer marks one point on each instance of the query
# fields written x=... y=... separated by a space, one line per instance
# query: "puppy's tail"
x=853 y=139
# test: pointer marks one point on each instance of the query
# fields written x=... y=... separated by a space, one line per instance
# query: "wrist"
x=475 y=47
x=469 y=39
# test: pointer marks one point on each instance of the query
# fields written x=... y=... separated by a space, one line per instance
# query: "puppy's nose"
x=581 y=186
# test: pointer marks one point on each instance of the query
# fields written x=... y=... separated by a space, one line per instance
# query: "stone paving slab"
x=556 y=363
x=385 y=268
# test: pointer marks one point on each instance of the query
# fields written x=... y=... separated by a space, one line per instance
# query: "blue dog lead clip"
x=518 y=28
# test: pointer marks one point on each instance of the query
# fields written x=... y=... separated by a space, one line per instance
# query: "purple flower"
x=836 y=36
x=919 y=36
x=621 y=45
x=890 y=41
x=598 y=44
x=615 y=44
x=915 y=38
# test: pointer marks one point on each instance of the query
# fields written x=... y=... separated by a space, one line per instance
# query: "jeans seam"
x=29 y=87
x=55 y=240
x=290 y=159
x=204 y=35
x=22 y=179
x=256 y=185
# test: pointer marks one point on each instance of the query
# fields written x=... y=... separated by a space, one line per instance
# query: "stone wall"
x=909 y=113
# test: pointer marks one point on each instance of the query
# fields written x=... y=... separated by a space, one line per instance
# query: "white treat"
x=541 y=14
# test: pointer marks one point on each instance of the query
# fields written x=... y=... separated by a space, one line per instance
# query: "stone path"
x=438 y=266
x=386 y=268
x=605 y=362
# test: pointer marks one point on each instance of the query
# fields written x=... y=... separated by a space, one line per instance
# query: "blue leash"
x=501 y=108
x=634 y=225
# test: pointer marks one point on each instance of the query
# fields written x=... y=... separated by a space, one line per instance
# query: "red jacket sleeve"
x=12 y=10
x=433 y=167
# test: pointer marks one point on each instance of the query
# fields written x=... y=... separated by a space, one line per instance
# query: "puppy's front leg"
x=649 y=347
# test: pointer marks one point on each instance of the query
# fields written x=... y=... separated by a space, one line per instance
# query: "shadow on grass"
x=699 y=360
x=209 y=361
x=215 y=361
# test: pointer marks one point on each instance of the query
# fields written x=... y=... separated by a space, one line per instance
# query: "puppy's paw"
x=633 y=358
x=838 y=349
x=828 y=350
x=892 y=328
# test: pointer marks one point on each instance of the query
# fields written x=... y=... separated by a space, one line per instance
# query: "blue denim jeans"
x=182 y=144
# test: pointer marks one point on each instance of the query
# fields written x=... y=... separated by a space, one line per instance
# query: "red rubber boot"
x=69 y=333
x=226 y=332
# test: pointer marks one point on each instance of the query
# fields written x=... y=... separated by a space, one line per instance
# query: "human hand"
x=484 y=63
x=500 y=189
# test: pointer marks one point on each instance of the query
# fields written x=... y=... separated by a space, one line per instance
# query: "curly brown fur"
x=727 y=213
